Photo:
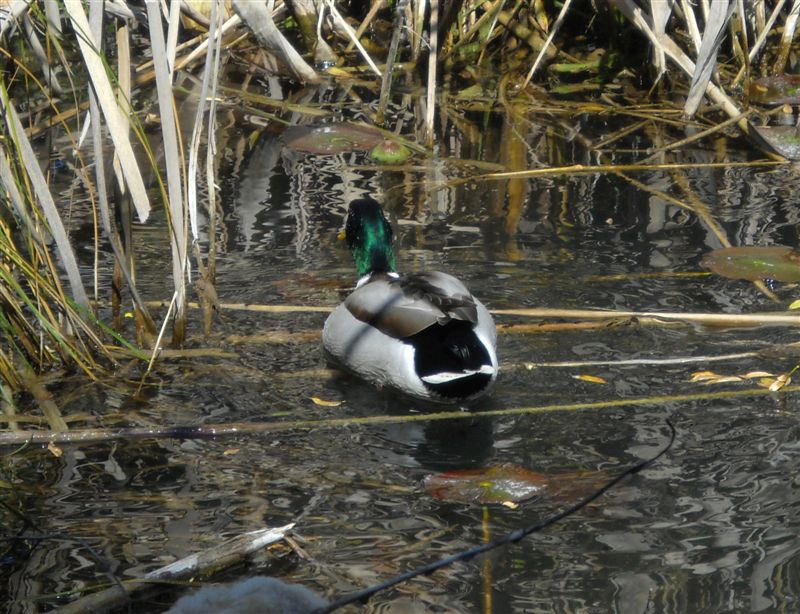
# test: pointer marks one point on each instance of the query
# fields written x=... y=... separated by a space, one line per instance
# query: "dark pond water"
x=712 y=527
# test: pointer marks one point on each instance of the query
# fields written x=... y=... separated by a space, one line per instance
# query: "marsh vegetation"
x=174 y=176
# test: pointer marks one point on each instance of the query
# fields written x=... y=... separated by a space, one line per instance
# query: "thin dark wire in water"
x=364 y=595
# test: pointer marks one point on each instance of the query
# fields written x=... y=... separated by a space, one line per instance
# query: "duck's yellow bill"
x=341 y=236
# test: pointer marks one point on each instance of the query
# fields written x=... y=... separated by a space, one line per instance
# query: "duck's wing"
x=402 y=307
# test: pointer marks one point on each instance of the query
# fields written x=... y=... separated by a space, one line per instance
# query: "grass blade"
x=44 y=197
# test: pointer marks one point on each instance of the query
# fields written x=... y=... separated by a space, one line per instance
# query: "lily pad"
x=333 y=138
x=779 y=263
x=495 y=484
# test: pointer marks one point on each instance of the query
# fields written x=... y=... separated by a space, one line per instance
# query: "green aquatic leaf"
x=575 y=68
x=390 y=152
x=779 y=263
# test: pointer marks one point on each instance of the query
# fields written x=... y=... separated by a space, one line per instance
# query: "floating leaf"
x=575 y=68
x=334 y=138
x=784 y=140
x=765 y=378
x=703 y=376
x=725 y=379
x=780 y=263
x=324 y=403
x=494 y=484
x=594 y=379
x=709 y=377
x=390 y=152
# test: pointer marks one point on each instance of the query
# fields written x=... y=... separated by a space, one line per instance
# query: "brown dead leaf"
x=757 y=374
x=702 y=376
x=594 y=379
x=780 y=382
x=723 y=379
x=55 y=450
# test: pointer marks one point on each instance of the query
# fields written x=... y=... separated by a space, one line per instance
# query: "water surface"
x=712 y=527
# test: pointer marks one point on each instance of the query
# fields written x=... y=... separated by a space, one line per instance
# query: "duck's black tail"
x=451 y=360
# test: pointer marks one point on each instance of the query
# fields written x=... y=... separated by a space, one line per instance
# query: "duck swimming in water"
x=423 y=334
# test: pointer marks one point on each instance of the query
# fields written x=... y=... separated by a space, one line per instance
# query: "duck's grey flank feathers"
x=403 y=307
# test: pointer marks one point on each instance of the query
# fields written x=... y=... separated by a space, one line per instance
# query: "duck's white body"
x=396 y=331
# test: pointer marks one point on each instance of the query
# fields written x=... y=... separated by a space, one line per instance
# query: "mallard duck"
x=423 y=334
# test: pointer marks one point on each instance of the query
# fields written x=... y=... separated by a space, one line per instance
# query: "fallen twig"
x=9 y=438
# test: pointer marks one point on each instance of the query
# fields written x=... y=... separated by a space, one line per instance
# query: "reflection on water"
x=713 y=527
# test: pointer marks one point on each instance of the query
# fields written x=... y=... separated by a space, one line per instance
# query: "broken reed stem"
x=85 y=436
x=642 y=362
x=695 y=137
x=253 y=307
x=433 y=60
x=707 y=319
x=605 y=168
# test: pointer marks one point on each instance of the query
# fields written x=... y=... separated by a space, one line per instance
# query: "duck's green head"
x=369 y=237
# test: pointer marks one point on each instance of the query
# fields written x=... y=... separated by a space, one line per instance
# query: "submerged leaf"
x=495 y=484
x=780 y=263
